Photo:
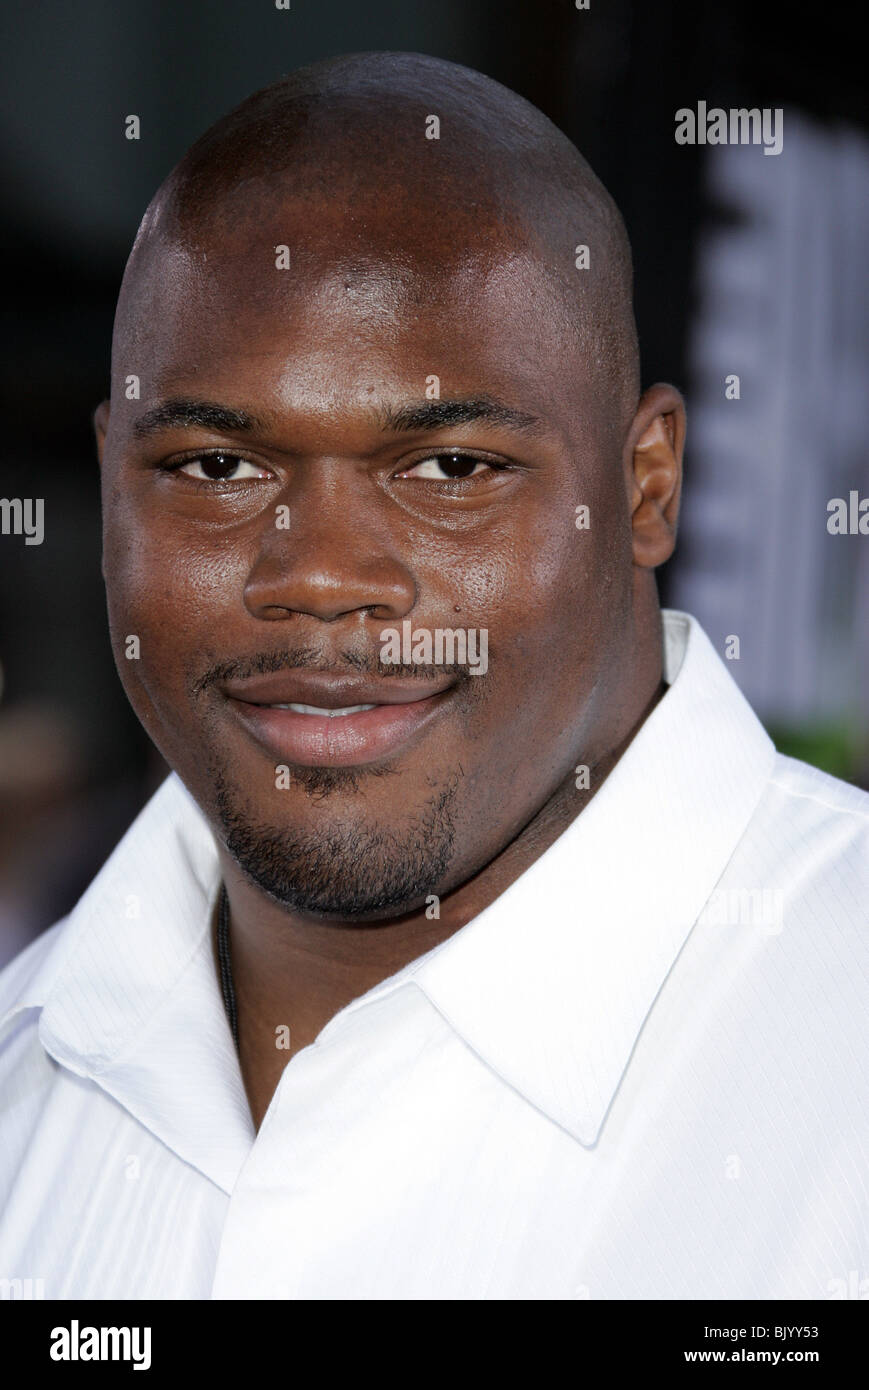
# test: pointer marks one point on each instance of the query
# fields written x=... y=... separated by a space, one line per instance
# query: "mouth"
x=342 y=722
x=327 y=713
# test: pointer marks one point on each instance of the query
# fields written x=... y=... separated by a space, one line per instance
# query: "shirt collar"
x=550 y=985
x=130 y=996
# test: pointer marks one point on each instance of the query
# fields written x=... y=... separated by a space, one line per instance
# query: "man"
x=542 y=965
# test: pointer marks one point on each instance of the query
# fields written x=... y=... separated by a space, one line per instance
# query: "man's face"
x=262 y=566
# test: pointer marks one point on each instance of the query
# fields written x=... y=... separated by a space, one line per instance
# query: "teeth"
x=314 y=709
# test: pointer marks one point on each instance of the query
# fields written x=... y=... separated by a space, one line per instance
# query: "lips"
x=317 y=719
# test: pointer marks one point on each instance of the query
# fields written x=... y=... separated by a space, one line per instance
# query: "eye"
x=220 y=468
x=452 y=467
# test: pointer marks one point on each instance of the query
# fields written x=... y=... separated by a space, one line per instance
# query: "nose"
x=338 y=555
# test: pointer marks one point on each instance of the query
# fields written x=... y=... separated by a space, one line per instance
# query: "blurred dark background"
x=745 y=264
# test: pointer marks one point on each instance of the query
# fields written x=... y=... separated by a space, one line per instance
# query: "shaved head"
x=343 y=144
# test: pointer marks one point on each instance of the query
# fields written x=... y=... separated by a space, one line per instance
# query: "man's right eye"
x=219 y=468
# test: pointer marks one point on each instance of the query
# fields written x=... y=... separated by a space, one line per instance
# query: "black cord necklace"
x=225 y=960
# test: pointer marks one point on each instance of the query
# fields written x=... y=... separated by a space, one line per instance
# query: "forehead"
x=327 y=304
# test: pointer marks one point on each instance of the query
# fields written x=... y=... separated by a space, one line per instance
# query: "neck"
x=293 y=974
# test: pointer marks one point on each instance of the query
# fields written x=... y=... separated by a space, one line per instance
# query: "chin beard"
x=342 y=870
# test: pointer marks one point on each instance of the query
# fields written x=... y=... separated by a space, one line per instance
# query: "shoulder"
x=828 y=797
x=797 y=887
x=813 y=823
x=797 y=890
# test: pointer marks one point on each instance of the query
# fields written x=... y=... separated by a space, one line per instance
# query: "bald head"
x=345 y=146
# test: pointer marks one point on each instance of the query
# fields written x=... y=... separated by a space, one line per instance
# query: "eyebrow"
x=182 y=413
x=433 y=415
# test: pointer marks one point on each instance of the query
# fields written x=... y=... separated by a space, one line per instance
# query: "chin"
x=343 y=867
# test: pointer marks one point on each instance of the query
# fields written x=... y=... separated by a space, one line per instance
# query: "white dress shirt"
x=638 y=1074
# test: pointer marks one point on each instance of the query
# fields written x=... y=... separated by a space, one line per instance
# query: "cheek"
x=566 y=592
x=171 y=594
x=552 y=586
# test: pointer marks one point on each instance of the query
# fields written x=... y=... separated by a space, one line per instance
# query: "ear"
x=101 y=426
x=653 y=459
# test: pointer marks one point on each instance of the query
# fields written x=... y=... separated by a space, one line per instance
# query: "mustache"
x=314 y=659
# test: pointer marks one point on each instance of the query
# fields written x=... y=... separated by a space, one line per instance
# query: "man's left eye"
x=447 y=467
x=221 y=468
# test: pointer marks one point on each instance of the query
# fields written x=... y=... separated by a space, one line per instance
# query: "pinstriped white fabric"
x=640 y=1073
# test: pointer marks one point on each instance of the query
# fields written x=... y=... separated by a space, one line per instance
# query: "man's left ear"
x=654 y=460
